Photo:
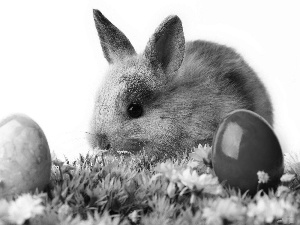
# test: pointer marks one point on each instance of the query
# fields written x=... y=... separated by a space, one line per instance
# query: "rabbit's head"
x=128 y=114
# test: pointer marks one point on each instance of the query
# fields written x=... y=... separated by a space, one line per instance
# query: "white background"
x=51 y=60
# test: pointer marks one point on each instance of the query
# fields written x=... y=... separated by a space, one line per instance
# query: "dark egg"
x=243 y=145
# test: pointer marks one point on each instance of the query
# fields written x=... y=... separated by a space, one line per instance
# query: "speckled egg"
x=243 y=145
x=25 y=160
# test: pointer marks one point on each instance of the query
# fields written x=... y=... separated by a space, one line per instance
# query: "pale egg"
x=25 y=160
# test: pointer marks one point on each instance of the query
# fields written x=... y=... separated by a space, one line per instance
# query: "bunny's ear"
x=166 y=46
x=115 y=44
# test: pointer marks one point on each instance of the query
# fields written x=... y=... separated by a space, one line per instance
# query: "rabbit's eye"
x=135 y=110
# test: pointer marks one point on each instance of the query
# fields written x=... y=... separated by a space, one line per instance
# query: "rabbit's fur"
x=177 y=92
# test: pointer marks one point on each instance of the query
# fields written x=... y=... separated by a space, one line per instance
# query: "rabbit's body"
x=172 y=96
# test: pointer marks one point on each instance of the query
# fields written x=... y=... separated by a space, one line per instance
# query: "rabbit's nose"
x=102 y=141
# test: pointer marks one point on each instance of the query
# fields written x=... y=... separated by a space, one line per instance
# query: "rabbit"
x=172 y=96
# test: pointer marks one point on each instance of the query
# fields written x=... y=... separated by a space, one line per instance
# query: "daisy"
x=262 y=177
x=205 y=182
x=287 y=177
x=169 y=170
x=25 y=207
x=267 y=209
x=202 y=155
x=224 y=209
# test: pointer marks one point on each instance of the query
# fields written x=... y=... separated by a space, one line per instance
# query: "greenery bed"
x=124 y=189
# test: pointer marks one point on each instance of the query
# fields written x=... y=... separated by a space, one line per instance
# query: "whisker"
x=89 y=133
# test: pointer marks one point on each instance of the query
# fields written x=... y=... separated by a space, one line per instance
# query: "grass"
x=126 y=189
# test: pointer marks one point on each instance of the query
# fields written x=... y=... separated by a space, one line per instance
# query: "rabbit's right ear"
x=167 y=45
x=115 y=44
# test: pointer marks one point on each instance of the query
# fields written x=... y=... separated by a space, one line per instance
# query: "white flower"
x=262 y=177
x=202 y=154
x=64 y=211
x=262 y=210
x=171 y=189
x=220 y=209
x=3 y=210
x=169 y=170
x=25 y=207
x=188 y=178
x=205 y=182
x=268 y=209
x=281 y=189
x=133 y=216
x=287 y=177
x=192 y=164
x=211 y=217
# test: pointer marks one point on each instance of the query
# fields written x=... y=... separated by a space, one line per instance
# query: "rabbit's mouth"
x=207 y=141
x=133 y=145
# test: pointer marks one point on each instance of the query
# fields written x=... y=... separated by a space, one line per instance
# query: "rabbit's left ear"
x=166 y=46
x=115 y=44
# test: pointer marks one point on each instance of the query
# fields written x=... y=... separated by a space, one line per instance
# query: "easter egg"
x=244 y=144
x=25 y=160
